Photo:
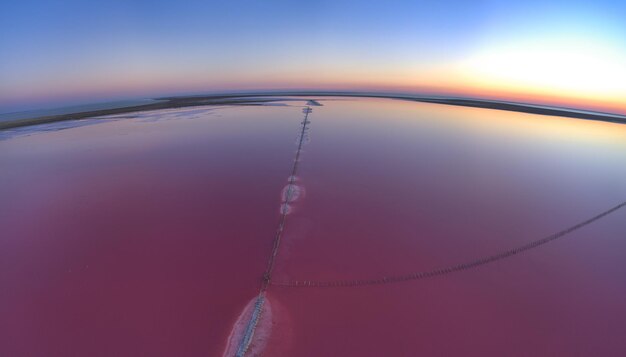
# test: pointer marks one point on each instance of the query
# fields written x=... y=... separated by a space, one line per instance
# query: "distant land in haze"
x=18 y=119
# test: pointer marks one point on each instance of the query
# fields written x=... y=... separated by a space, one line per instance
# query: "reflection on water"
x=148 y=234
x=166 y=114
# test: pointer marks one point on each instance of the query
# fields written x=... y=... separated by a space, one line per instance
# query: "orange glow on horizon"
x=439 y=82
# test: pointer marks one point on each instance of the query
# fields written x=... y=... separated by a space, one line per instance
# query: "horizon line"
x=228 y=97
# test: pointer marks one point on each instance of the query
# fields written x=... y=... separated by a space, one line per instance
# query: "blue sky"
x=59 y=52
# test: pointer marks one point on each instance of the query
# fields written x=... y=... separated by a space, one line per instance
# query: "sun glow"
x=572 y=68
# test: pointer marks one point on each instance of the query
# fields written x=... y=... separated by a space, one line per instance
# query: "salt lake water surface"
x=150 y=233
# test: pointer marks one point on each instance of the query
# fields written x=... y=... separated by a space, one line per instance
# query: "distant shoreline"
x=258 y=98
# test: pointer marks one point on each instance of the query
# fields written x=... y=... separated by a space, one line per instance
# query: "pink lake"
x=147 y=234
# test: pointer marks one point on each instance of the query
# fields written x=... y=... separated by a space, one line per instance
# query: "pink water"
x=150 y=235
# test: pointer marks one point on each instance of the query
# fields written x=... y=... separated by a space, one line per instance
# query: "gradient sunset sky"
x=567 y=53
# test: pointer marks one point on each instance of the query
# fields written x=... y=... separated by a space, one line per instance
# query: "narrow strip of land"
x=246 y=339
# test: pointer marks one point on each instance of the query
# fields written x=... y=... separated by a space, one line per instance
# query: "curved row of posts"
x=448 y=269
x=257 y=311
